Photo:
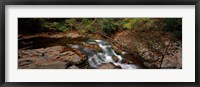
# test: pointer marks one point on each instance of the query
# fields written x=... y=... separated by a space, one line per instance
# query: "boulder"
x=51 y=55
x=30 y=53
x=116 y=59
x=151 y=47
x=73 y=67
x=25 y=62
x=67 y=53
x=117 y=50
x=173 y=60
x=55 y=49
x=52 y=65
x=132 y=58
x=107 y=66
x=73 y=34
x=71 y=57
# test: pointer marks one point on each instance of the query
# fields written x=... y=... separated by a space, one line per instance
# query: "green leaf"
x=127 y=25
x=63 y=28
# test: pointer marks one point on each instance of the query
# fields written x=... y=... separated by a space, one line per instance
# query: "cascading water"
x=95 y=59
x=108 y=51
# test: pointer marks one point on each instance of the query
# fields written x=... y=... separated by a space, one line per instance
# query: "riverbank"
x=72 y=50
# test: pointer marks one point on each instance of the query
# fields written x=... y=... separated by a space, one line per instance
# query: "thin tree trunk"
x=163 y=55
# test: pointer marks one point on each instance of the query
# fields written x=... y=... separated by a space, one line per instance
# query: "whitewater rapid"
x=96 y=58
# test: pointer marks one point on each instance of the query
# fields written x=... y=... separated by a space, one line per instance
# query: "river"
x=96 y=58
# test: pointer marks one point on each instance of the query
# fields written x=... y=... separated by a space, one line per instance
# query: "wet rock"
x=151 y=65
x=52 y=55
x=77 y=52
x=116 y=59
x=93 y=46
x=151 y=57
x=67 y=53
x=72 y=58
x=151 y=47
x=30 y=53
x=70 y=34
x=25 y=62
x=55 y=48
x=118 y=67
x=53 y=52
x=173 y=60
x=52 y=65
x=46 y=58
x=73 y=67
x=58 y=35
x=48 y=52
x=107 y=66
x=132 y=58
x=117 y=50
x=97 y=36
x=75 y=59
x=73 y=34
x=67 y=64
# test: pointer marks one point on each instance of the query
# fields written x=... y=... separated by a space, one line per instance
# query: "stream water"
x=96 y=58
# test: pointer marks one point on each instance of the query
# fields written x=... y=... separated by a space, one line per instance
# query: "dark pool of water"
x=43 y=42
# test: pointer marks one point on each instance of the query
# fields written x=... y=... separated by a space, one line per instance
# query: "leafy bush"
x=108 y=26
x=105 y=25
x=61 y=27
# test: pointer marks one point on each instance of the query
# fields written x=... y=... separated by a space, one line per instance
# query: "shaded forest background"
x=107 y=26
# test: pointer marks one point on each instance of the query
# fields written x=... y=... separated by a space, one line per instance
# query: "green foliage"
x=86 y=21
x=132 y=23
x=61 y=27
x=70 y=22
x=127 y=25
x=106 y=25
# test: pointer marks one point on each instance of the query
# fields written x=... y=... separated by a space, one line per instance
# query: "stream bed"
x=47 y=53
x=98 y=58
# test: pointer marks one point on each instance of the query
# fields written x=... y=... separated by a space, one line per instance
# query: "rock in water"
x=133 y=58
x=116 y=59
x=107 y=66
x=73 y=67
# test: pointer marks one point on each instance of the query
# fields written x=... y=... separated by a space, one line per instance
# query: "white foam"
x=106 y=56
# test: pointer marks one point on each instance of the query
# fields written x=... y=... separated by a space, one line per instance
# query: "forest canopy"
x=104 y=25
